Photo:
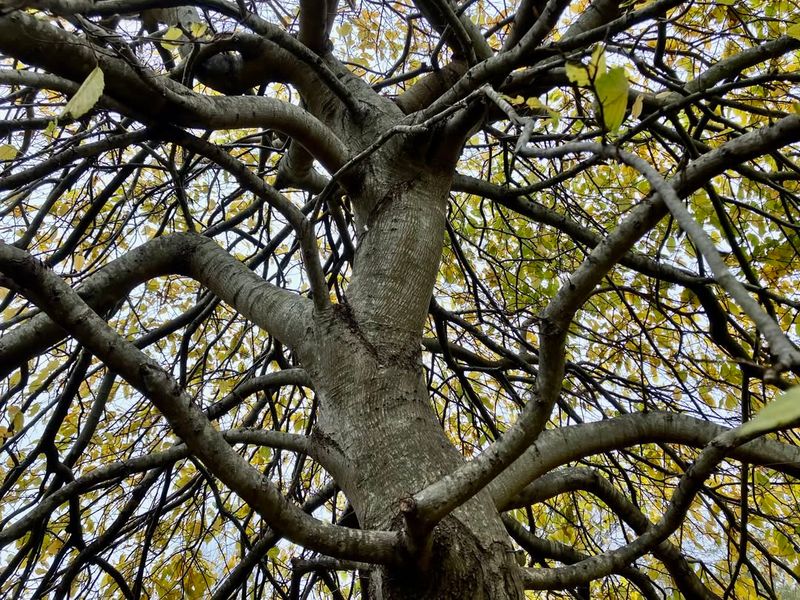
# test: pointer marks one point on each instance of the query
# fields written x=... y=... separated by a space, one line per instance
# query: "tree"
x=390 y=300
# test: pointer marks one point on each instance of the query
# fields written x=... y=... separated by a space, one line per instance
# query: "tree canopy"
x=387 y=300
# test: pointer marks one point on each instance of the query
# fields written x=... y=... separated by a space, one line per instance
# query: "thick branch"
x=569 y=298
x=558 y=447
x=278 y=311
x=316 y=21
x=458 y=30
x=687 y=489
x=433 y=85
x=250 y=181
x=269 y=538
x=500 y=65
x=438 y=499
x=65 y=307
x=539 y=547
x=154 y=98
x=733 y=66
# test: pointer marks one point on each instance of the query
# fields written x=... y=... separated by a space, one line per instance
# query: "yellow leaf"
x=7 y=152
x=53 y=547
x=535 y=103
x=597 y=64
x=794 y=31
x=172 y=34
x=636 y=109
x=577 y=74
x=50 y=130
x=612 y=93
x=14 y=379
x=16 y=416
x=344 y=29
x=198 y=30
x=42 y=374
x=86 y=96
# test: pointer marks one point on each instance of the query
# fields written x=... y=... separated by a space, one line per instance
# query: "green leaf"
x=782 y=411
x=577 y=74
x=794 y=31
x=86 y=96
x=612 y=93
x=7 y=152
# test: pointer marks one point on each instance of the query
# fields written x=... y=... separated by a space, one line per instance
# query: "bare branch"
x=687 y=489
x=153 y=461
x=578 y=478
x=785 y=352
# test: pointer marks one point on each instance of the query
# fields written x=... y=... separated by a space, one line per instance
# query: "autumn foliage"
x=399 y=300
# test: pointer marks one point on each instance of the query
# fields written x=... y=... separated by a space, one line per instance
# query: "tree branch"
x=608 y=562
x=303 y=228
x=153 y=98
x=280 y=312
x=438 y=499
x=580 y=478
x=65 y=307
x=269 y=538
x=569 y=298
x=461 y=34
x=316 y=21
x=156 y=460
x=557 y=447
x=539 y=547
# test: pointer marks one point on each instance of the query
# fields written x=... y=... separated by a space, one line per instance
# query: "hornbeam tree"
x=424 y=300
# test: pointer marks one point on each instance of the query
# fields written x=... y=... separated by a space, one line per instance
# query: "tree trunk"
x=364 y=359
x=380 y=417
